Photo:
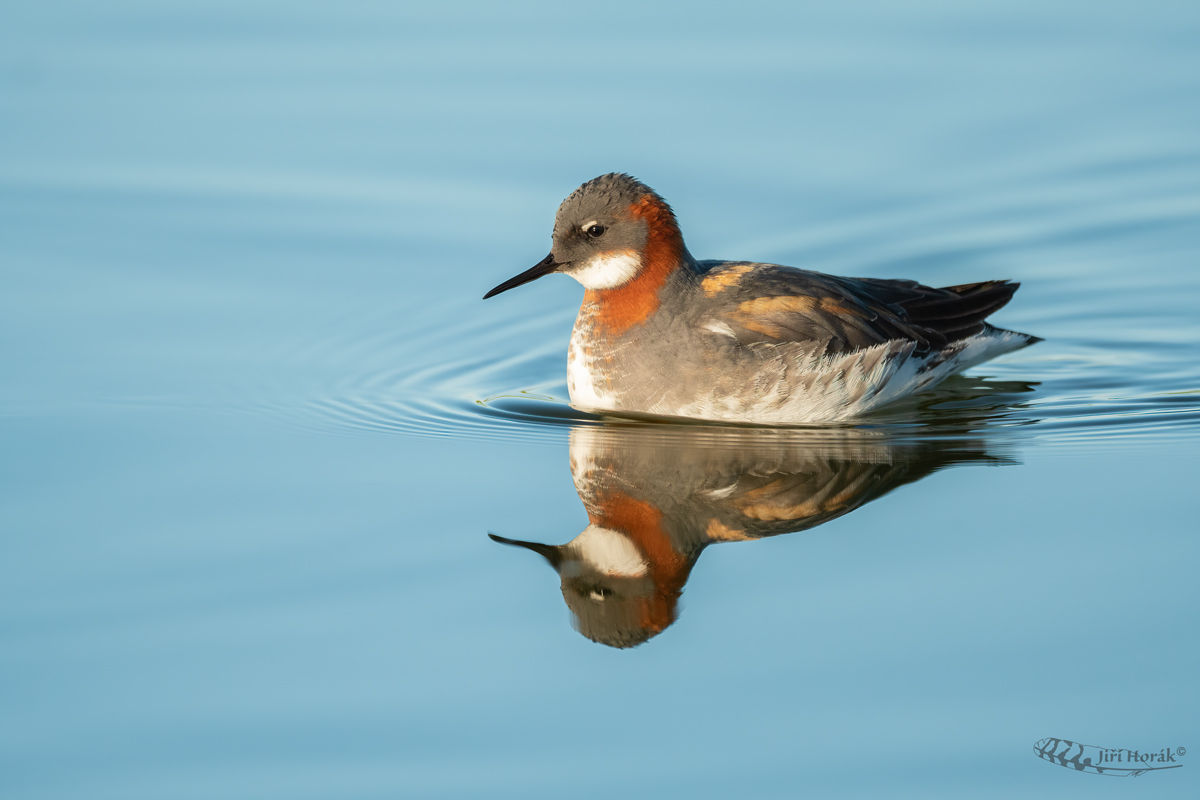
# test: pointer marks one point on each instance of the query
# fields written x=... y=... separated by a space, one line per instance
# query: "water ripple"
x=523 y=399
x=1121 y=357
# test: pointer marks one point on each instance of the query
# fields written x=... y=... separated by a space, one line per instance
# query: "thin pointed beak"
x=546 y=551
x=544 y=267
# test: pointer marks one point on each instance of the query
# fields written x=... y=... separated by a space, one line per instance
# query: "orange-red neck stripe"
x=621 y=308
x=669 y=569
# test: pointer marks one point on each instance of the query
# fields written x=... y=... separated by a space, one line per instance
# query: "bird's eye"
x=595 y=231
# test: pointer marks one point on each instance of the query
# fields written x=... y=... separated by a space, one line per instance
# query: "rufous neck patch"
x=669 y=569
x=632 y=303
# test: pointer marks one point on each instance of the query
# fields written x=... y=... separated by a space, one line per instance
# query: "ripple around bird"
x=1120 y=360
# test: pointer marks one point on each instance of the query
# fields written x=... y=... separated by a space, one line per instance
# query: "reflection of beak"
x=547 y=551
x=544 y=267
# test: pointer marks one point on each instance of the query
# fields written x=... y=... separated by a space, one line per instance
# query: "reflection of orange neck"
x=633 y=302
x=669 y=570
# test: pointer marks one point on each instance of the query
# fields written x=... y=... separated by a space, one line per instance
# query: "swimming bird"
x=664 y=334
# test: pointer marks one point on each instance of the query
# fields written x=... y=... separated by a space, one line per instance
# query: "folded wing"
x=774 y=304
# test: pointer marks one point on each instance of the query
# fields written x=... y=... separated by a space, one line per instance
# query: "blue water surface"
x=256 y=422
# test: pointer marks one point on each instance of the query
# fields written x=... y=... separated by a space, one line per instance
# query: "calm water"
x=256 y=423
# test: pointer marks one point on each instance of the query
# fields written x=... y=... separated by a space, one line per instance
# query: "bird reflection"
x=656 y=499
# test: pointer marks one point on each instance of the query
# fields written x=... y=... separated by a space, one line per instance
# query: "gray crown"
x=604 y=200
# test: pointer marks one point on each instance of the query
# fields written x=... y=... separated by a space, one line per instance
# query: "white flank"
x=607 y=271
x=797 y=388
x=609 y=552
x=721 y=494
x=581 y=385
x=719 y=328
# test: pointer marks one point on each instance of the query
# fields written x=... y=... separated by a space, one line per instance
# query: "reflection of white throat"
x=609 y=552
x=607 y=271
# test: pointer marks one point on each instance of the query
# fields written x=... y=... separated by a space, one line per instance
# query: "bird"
x=662 y=334
x=655 y=504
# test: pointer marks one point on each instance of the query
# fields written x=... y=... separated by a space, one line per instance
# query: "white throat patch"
x=609 y=552
x=608 y=271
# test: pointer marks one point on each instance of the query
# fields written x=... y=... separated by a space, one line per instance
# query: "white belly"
x=588 y=390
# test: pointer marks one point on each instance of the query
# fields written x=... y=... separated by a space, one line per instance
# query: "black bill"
x=544 y=267
x=546 y=551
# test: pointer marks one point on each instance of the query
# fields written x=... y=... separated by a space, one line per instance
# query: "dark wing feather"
x=958 y=311
x=807 y=489
x=780 y=304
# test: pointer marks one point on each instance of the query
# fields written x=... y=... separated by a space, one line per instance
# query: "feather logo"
x=1112 y=761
